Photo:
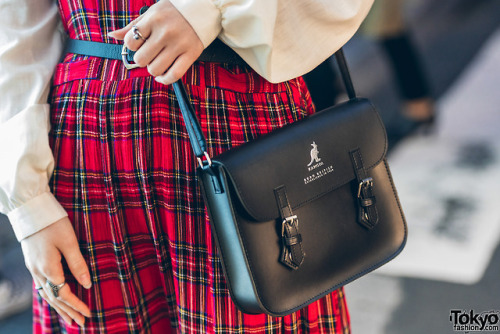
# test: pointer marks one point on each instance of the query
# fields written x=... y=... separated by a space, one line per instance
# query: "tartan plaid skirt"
x=125 y=173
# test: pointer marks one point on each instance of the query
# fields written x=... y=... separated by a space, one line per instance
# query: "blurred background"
x=443 y=126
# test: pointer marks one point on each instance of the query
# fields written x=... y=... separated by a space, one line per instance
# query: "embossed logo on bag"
x=316 y=163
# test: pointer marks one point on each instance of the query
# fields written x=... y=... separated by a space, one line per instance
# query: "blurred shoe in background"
x=15 y=295
x=387 y=24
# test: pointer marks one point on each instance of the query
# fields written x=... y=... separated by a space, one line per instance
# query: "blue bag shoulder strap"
x=196 y=137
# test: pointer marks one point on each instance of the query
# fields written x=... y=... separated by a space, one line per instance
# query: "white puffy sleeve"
x=279 y=39
x=30 y=47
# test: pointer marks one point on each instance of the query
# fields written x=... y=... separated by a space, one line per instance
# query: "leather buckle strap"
x=367 y=210
x=292 y=254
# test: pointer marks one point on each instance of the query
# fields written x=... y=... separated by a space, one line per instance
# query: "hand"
x=43 y=252
x=170 y=47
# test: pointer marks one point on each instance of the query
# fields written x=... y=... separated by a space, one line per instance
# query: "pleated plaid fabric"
x=125 y=173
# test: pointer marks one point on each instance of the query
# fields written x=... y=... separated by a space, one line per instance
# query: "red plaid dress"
x=125 y=173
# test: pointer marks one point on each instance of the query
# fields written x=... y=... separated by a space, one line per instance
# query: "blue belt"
x=217 y=52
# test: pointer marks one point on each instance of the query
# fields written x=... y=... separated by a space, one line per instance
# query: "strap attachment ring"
x=208 y=160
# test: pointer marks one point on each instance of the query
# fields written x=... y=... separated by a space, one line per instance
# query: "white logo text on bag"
x=315 y=164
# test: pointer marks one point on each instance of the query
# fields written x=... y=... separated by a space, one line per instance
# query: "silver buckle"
x=287 y=220
x=127 y=65
x=364 y=183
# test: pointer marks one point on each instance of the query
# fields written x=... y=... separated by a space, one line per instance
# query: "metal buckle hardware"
x=127 y=65
x=368 y=182
x=287 y=220
x=200 y=162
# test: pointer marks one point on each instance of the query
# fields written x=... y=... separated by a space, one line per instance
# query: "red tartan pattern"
x=125 y=173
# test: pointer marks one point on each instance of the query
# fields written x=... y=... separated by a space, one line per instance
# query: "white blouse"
x=279 y=39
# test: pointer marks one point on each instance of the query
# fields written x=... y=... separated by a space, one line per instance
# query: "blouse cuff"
x=35 y=215
x=203 y=16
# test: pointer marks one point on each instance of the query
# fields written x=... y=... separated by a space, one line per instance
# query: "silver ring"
x=137 y=33
x=55 y=287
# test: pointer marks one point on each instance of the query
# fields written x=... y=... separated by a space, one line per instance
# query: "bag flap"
x=310 y=157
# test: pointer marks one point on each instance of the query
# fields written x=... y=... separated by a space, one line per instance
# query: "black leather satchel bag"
x=303 y=210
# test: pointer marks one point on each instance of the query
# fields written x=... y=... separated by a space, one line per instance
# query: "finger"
x=38 y=279
x=76 y=263
x=147 y=53
x=49 y=273
x=177 y=70
x=38 y=285
x=161 y=63
x=63 y=314
x=141 y=30
x=119 y=34
x=69 y=310
x=76 y=316
x=70 y=299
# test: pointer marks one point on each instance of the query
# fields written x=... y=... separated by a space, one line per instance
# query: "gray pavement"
x=449 y=34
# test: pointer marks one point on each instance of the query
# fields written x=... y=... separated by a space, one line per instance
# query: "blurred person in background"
x=386 y=24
